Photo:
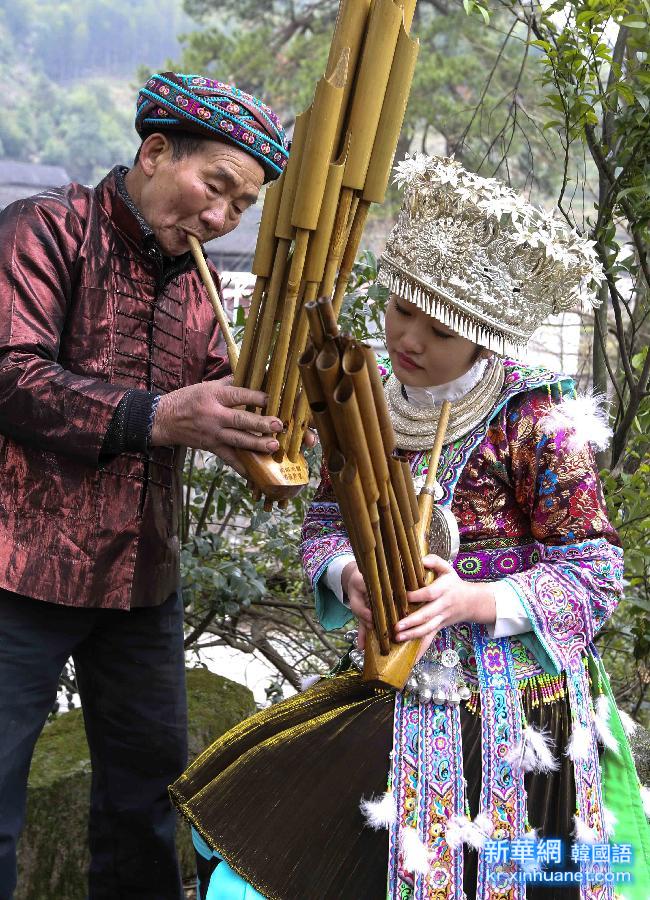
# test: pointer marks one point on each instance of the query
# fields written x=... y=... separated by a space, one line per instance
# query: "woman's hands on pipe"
x=355 y=587
x=447 y=601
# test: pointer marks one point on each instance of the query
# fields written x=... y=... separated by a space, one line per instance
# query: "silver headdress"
x=474 y=255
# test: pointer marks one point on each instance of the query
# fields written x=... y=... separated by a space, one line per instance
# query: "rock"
x=53 y=851
x=640 y=743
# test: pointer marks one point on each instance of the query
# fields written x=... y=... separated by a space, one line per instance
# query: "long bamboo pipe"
x=426 y=499
x=215 y=300
x=371 y=40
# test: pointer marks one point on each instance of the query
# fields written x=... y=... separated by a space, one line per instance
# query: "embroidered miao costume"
x=535 y=748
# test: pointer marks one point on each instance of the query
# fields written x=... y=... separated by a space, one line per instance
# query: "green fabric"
x=621 y=795
x=332 y=614
x=532 y=643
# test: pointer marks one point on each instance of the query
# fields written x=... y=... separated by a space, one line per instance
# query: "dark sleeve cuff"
x=130 y=427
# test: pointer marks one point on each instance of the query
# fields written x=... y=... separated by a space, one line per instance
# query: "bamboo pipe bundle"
x=373 y=486
x=377 y=175
x=314 y=216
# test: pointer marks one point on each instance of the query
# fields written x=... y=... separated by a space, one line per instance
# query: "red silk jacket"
x=87 y=312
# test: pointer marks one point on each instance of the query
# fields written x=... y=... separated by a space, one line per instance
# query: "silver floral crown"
x=474 y=255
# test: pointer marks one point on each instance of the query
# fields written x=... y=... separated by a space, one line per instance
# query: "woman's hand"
x=355 y=587
x=445 y=602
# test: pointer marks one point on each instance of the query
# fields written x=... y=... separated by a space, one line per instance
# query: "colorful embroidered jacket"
x=529 y=510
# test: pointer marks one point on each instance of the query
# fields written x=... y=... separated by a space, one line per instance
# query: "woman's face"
x=423 y=351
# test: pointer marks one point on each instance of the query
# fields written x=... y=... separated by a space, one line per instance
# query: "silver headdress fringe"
x=449 y=311
x=474 y=255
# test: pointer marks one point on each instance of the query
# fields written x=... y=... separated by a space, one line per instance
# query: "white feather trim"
x=522 y=757
x=601 y=716
x=533 y=753
x=475 y=837
x=454 y=831
x=415 y=853
x=628 y=723
x=380 y=812
x=645 y=799
x=585 y=417
x=579 y=743
x=542 y=746
x=308 y=681
x=461 y=830
x=484 y=822
x=582 y=832
x=609 y=823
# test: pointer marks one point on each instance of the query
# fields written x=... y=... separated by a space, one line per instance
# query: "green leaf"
x=626 y=92
x=634 y=22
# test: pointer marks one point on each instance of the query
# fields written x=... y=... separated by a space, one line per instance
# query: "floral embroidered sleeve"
x=324 y=538
x=576 y=585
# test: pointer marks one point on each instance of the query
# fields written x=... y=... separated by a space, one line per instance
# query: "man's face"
x=203 y=194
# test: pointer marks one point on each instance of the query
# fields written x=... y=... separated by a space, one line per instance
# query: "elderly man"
x=110 y=365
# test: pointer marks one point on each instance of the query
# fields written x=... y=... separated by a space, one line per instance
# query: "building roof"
x=234 y=252
x=34 y=174
x=22 y=179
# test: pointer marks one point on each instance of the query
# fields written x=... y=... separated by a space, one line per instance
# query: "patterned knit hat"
x=480 y=259
x=191 y=103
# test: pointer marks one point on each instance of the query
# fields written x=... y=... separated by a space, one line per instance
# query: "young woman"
x=349 y=792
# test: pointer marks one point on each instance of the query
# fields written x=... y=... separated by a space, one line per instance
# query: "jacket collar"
x=126 y=216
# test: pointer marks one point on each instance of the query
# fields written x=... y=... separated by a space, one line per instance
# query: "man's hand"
x=445 y=602
x=203 y=416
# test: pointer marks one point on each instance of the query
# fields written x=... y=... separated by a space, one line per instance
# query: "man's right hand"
x=355 y=587
x=204 y=417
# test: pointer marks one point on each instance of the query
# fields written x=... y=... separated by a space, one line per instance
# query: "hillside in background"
x=68 y=73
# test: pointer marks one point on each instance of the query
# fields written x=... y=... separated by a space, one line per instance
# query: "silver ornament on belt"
x=438 y=678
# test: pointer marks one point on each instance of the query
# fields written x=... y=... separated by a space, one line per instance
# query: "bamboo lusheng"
x=263 y=262
x=215 y=299
x=276 y=234
x=427 y=494
x=314 y=216
x=349 y=492
x=313 y=275
x=350 y=424
x=376 y=176
x=300 y=416
x=377 y=501
x=392 y=530
x=315 y=177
